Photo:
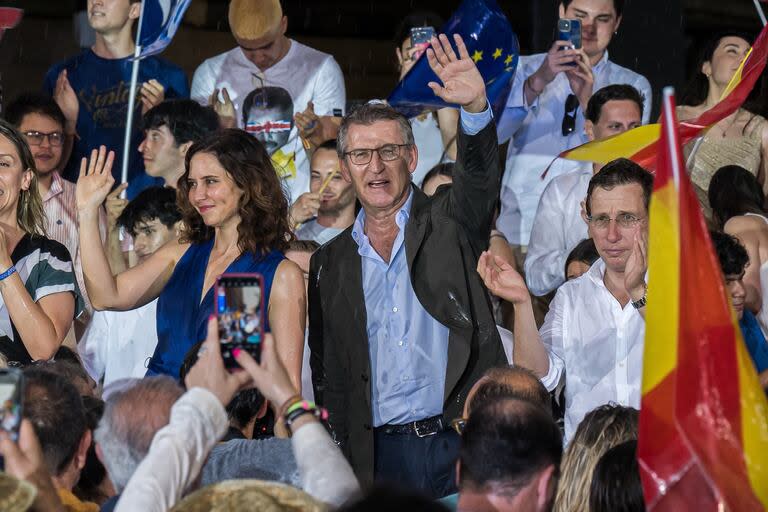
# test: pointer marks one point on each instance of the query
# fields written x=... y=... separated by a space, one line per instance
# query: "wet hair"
x=55 y=409
x=696 y=90
x=29 y=212
x=187 y=120
x=443 y=169
x=416 y=19
x=617 y=173
x=272 y=98
x=734 y=191
x=369 y=114
x=151 y=203
x=585 y=251
x=510 y=382
x=615 y=92
x=505 y=444
x=601 y=429
x=616 y=485
x=263 y=206
x=618 y=5
x=732 y=255
x=33 y=103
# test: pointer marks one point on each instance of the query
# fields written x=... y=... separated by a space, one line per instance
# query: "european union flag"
x=160 y=21
x=491 y=43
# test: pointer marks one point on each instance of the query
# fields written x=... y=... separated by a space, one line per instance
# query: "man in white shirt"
x=595 y=327
x=558 y=226
x=117 y=344
x=544 y=115
x=334 y=209
x=268 y=79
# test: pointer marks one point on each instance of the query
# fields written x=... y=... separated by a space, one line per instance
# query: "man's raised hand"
x=462 y=83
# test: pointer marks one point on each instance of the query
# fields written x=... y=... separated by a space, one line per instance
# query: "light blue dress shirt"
x=535 y=138
x=407 y=346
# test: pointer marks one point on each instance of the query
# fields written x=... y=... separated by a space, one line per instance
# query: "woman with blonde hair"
x=39 y=298
x=600 y=430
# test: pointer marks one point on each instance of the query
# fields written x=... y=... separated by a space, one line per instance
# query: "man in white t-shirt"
x=117 y=344
x=334 y=209
x=265 y=81
x=594 y=331
x=558 y=226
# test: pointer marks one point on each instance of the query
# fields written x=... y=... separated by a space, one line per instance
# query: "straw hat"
x=242 y=495
x=15 y=495
x=254 y=19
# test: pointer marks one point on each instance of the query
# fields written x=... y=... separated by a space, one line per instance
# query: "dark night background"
x=657 y=38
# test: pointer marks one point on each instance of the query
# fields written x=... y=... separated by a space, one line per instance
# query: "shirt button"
x=394 y=309
x=405 y=378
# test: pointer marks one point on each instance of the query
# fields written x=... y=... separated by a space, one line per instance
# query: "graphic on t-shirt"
x=107 y=106
x=268 y=116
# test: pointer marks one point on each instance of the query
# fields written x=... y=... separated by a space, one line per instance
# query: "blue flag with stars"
x=490 y=42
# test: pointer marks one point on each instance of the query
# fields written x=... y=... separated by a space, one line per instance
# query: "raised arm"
x=134 y=287
x=287 y=317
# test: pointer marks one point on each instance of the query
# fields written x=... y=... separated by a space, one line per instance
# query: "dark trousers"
x=422 y=464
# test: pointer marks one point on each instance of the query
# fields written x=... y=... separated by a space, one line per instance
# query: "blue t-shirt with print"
x=102 y=86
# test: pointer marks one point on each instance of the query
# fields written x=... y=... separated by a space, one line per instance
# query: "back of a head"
x=619 y=172
x=506 y=444
x=187 y=120
x=510 y=382
x=246 y=495
x=734 y=191
x=54 y=407
x=601 y=429
x=151 y=203
x=131 y=418
x=387 y=499
x=616 y=485
x=71 y=369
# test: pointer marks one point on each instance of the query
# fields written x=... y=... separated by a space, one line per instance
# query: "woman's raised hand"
x=95 y=180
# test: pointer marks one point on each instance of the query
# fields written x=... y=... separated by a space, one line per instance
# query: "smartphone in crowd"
x=420 y=38
x=240 y=311
x=11 y=389
x=570 y=30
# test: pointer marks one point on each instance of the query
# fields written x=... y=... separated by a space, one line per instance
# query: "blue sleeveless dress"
x=182 y=320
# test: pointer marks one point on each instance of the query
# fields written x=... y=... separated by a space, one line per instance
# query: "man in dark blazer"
x=400 y=323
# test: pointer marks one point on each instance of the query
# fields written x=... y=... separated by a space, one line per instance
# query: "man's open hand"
x=462 y=83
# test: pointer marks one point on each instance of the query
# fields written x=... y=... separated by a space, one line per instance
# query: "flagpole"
x=760 y=12
x=132 y=99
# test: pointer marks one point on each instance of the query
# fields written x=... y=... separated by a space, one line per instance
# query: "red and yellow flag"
x=704 y=418
x=641 y=144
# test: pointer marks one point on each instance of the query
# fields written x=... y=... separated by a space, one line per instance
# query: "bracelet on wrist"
x=301 y=408
x=8 y=273
x=639 y=304
x=287 y=404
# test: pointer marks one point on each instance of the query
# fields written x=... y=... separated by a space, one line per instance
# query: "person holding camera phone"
x=544 y=115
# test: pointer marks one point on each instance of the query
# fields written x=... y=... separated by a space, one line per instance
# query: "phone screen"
x=10 y=401
x=420 y=38
x=240 y=310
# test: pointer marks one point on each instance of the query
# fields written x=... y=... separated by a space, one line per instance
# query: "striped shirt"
x=45 y=268
x=61 y=224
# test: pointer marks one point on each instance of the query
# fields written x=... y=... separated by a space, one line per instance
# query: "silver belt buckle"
x=419 y=433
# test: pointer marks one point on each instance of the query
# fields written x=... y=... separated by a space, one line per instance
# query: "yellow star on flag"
x=497 y=53
x=508 y=60
x=477 y=56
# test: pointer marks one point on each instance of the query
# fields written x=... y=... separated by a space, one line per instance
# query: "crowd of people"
x=446 y=326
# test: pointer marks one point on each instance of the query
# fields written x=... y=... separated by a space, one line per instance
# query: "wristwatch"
x=638 y=304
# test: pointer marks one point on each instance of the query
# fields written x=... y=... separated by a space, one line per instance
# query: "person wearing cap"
x=266 y=80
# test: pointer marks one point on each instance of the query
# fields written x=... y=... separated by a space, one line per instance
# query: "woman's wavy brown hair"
x=263 y=206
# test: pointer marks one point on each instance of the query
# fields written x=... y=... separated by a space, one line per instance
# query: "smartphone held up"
x=11 y=389
x=569 y=30
x=240 y=313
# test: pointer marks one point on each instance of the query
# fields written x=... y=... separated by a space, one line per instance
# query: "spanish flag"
x=641 y=144
x=703 y=441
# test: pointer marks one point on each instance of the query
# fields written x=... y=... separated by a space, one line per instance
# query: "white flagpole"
x=132 y=99
x=760 y=12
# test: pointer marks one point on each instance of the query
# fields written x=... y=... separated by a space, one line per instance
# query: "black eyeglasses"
x=569 y=119
x=387 y=153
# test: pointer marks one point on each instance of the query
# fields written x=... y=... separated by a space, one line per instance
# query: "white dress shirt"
x=557 y=229
x=596 y=343
x=536 y=137
x=117 y=344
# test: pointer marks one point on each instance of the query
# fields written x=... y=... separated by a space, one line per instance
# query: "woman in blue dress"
x=235 y=219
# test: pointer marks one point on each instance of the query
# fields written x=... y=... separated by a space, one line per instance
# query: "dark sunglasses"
x=569 y=119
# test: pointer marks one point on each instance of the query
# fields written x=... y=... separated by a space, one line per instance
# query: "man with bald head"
x=268 y=78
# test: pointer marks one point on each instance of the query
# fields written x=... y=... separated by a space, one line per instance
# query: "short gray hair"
x=368 y=114
x=131 y=418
